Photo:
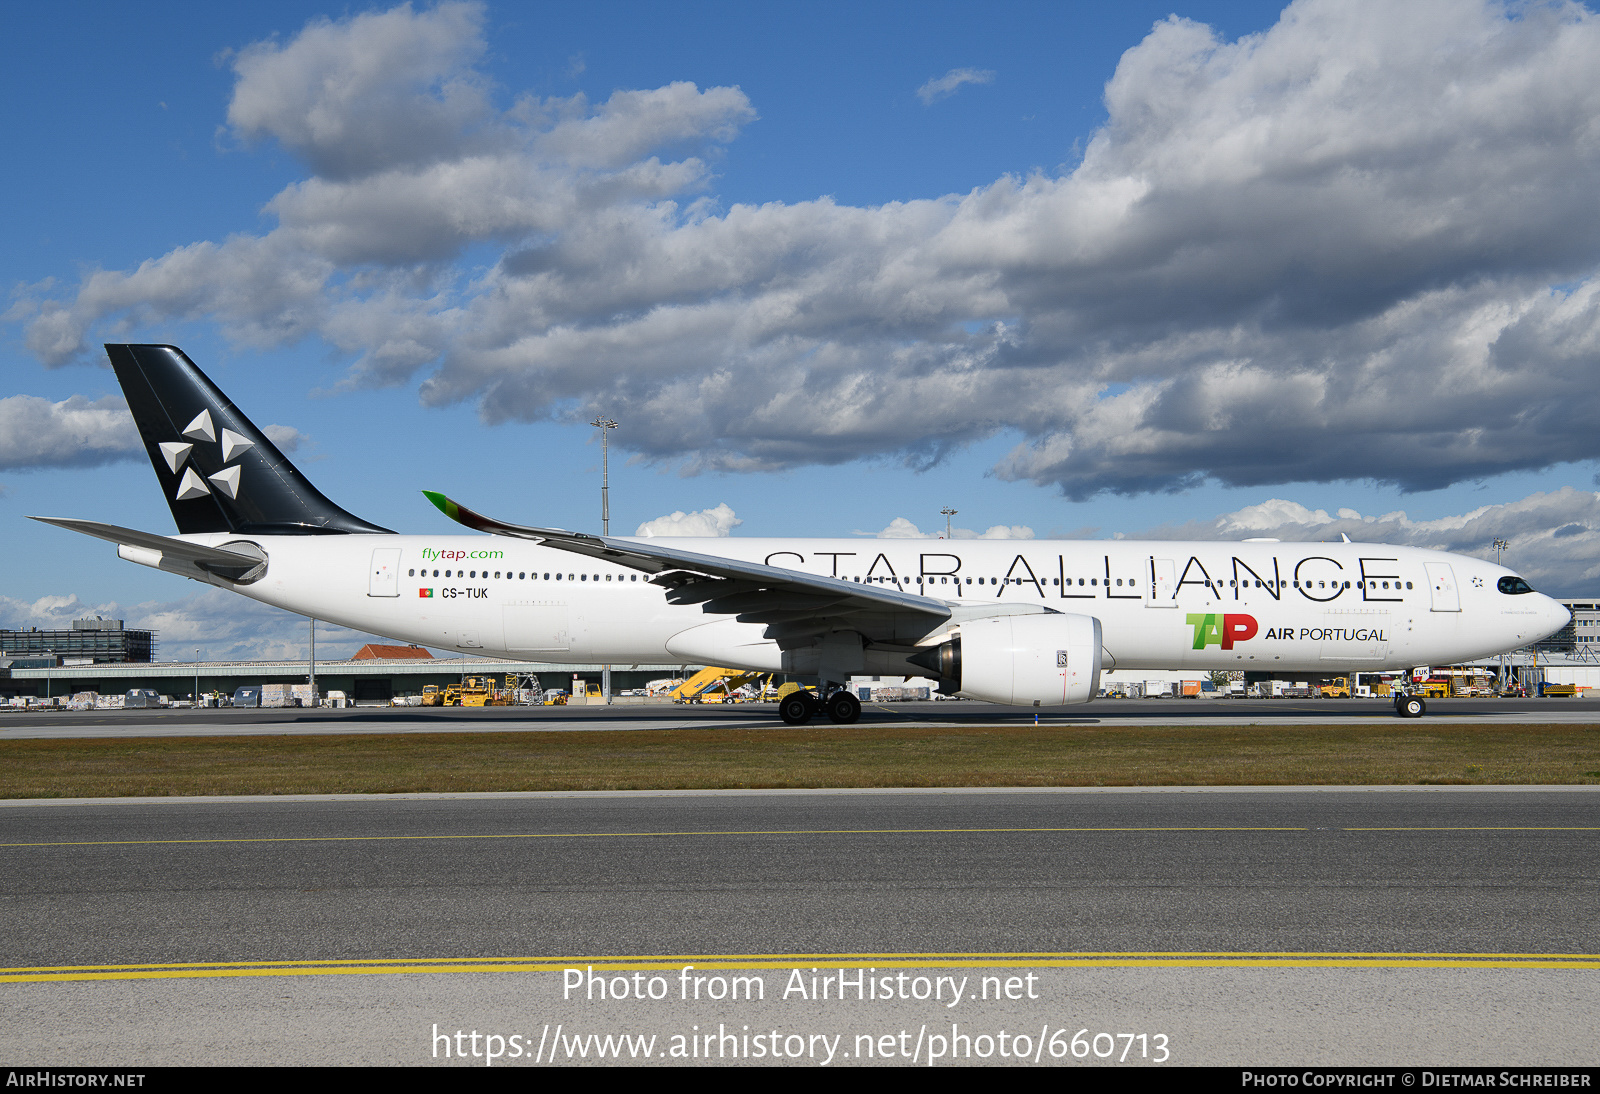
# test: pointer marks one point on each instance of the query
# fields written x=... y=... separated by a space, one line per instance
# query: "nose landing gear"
x=1410 y=706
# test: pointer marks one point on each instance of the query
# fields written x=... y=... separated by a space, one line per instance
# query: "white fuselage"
x=1259 y=606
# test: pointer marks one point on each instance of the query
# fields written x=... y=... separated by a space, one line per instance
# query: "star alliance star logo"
x=191 y=485
x=1477 y=583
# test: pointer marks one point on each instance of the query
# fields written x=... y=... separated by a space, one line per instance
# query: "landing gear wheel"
x=1410 y=706
x=796 y=709
x=843 y=708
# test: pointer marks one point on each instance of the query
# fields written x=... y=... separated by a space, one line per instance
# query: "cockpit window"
x=1512 y=586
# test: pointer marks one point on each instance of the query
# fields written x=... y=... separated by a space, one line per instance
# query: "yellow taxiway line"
x=815 y=961
x=796 y=832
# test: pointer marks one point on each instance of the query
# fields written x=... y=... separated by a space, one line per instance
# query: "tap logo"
x=1222 y=630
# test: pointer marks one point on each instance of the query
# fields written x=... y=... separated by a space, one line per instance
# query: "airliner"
x=1026 y=623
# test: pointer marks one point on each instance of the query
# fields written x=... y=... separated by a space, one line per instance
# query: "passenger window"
x=411 y=573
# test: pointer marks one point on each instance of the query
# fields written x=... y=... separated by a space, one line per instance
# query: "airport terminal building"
x=363 y=680
x=89 y=641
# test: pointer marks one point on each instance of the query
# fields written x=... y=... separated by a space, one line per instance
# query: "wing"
x=796 y=607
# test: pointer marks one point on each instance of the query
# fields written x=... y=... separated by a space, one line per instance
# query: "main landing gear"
x=799 y=707
x=1410 y=706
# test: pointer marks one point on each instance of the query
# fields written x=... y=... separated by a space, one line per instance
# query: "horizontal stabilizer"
x=233 y=565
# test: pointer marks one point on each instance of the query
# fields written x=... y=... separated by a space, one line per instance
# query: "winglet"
x=480 y=523
x=444 y=504
x=462 y=515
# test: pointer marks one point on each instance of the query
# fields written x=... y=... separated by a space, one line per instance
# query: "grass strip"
x=811 y=756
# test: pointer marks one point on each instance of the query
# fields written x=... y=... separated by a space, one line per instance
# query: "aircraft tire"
x=843 y=708
x=796 y=709
x=1410 y=706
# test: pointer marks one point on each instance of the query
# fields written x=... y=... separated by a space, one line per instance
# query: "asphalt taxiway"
x=1251 y=926
x=1129 y=712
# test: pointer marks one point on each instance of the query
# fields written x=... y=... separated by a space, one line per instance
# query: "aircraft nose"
x=1556 y=615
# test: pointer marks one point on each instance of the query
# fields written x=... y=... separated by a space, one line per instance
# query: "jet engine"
x=1020 y=660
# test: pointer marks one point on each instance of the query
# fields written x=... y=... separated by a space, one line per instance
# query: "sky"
x=1196 y=270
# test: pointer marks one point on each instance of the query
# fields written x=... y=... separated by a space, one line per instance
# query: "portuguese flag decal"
x=424 y=593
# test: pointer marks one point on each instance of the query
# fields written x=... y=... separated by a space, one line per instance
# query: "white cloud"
x=1554 y=537
x=1359 y=245
x=376 y=91
x=901 y=528
x=286 y=437
x=75 y=432
x=936 y=89
x=1274 y=513
x=632 y=124
x=1000 y=531
x=706 y=523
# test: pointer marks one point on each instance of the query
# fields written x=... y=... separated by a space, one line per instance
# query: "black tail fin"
x=219 y=472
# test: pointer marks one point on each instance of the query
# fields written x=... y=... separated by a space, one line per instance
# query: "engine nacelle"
x=1022 y=660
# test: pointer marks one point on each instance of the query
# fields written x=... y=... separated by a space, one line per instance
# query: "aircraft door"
x=383 y=578
x=1442 y=586
x=1163 y=584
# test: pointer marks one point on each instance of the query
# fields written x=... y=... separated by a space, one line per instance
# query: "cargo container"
x=279 y=695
